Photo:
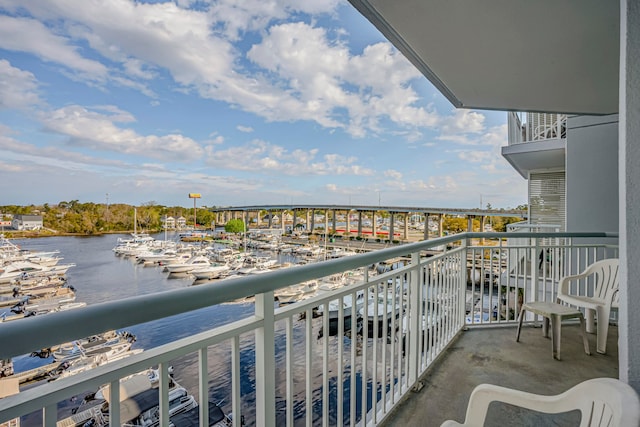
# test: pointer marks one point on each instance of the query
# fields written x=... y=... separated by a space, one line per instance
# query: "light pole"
x=194 y=196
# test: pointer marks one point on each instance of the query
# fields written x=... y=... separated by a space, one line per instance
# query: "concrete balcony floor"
x=491 y=355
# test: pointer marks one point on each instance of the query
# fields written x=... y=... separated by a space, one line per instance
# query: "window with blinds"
x=547 y=201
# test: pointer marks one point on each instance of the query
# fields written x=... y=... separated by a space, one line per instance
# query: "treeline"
x=95 y=218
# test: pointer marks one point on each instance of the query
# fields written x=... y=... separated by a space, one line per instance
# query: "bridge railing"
x=378 y=332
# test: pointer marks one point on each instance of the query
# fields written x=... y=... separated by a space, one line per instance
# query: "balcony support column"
x=265 y=361
x=295 y=220
x=359 y=223
x=326 y=223
x=333 y=218
x=629 y=199
x=313 y=221
x=440 y=222
x=374 y=225
x=392 y=232
x=406 y=227
x=348 y=230
x=426 y=227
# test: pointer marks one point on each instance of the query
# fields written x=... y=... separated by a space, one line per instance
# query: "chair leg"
x=589 y=315
x=585 y=340
x=545 y=326
x=556 y=327
x=520 y=318
x=603 y=329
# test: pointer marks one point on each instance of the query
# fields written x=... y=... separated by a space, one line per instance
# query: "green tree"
x=234 y=226
x=458 y=225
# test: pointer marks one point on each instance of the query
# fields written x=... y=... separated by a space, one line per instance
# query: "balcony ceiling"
x=543 y=55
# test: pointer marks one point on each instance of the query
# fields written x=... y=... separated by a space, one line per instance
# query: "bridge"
x=364 y=218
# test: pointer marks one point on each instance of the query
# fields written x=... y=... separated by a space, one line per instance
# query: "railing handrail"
x=93 y=319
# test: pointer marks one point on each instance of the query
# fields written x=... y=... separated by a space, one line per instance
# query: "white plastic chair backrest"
x=607 y=278
x=601 y=401
x=606 y=402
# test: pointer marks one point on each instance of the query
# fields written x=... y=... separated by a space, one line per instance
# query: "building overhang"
x=546 y=55
x=538 y=155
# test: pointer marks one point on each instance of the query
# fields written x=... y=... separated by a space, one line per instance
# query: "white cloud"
x=96 y=130
x=37 y=39
x=262 y=157
x=236 y=17
x=18 y=88
x=393 y=174
x=246 y=129
x=474 y=156
x=327 y=79
x=463 y=121
x=299 y=71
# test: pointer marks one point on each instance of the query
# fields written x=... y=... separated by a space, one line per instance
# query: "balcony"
x=536 y=141
x=444 y=322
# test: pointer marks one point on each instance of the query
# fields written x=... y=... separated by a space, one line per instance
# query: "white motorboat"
x=332 y=282
x=193 y=263
x=347 y=303
x=88 y=363
x=382 y=305
x=288 y=295
x=28 y=269
x=94 y=345
x=144 y=409
x=213 y=271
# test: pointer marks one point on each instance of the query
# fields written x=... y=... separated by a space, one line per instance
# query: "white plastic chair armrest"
x=563 y=285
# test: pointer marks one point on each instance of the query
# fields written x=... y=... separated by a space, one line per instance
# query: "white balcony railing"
x=530 y=127
x=352 y=376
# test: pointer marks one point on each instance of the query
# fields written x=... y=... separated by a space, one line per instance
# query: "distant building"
x=27 y=222
x=168 y=222
x=181 y=222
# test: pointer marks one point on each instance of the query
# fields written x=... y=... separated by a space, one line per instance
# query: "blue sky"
x=246 y=102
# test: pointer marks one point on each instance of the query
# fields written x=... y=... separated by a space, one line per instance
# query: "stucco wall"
x=629 y=338
x=592 y=173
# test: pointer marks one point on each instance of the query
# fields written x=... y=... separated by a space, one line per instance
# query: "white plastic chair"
x=601 y=402
x=604 y=296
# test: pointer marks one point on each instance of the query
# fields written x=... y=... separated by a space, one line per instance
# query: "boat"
x=109 y=342
x=139 y=405
x=28 y=269
x=347 y=303
x=213 y=271
x=193 y=263
x=288 y=295
x=332 y=282
x=383 y=305
x=87 y=363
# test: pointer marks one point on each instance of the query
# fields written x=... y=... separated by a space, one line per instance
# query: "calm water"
x=101 y=276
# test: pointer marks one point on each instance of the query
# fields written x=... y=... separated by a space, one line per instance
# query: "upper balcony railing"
x=380 y=329
x=530 y=127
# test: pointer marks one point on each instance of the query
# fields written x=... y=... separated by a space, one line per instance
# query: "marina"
x=136 y=265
